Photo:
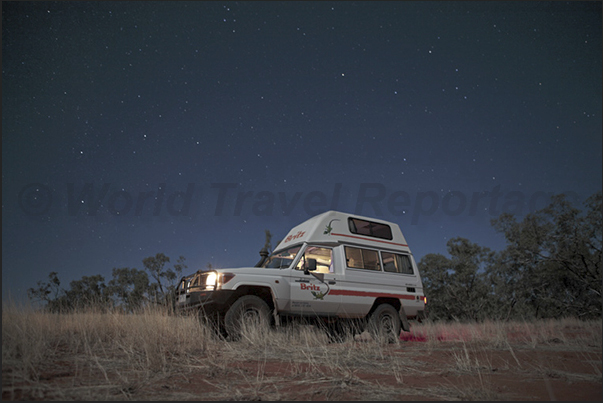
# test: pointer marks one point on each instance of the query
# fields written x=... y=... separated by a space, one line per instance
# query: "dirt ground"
x=360 y=369
x=553 y=374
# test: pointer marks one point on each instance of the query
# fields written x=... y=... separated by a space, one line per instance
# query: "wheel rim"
x=251 y=317
x=386 y=324
x=251 y=322
x=386 y=328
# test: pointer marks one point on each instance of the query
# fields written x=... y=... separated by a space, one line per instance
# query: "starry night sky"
x=190 y=124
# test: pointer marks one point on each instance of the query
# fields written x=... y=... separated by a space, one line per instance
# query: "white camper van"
x=335 y=268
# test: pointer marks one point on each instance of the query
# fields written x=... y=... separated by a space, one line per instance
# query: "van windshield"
x=282 y=259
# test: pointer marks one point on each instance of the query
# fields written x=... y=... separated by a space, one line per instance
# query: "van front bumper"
x=208 y=302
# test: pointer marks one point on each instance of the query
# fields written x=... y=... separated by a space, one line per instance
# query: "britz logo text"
x=292 y=237
x=309 y=287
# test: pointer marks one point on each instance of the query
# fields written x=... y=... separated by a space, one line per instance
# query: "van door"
x=312 y=295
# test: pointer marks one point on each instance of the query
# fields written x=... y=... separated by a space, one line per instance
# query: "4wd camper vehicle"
x=335 y=269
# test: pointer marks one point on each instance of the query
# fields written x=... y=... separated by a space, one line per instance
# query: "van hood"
x=249 y=270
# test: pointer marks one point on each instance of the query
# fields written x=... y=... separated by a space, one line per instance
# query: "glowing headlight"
x=211 y=281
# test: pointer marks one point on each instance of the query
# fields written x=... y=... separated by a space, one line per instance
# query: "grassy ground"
x=155 y=356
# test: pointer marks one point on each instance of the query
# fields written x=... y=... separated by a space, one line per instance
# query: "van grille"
x=196 y=282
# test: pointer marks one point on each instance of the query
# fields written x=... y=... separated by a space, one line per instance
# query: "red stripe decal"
x=370 y=294
x=369 y=239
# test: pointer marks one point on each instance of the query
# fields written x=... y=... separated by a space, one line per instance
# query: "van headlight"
x=211 y=281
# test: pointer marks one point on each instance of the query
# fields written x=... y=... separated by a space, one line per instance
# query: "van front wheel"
x=249 y=315
x=384 y=324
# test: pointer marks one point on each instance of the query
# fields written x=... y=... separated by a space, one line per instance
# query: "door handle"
x=332 y=281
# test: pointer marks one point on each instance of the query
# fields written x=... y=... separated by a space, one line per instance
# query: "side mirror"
x=310 y=265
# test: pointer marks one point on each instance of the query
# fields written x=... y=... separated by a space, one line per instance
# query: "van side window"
x=362 y=258
x=323 y=256
x=369 y=228
x=395 y=263
x=405 y=265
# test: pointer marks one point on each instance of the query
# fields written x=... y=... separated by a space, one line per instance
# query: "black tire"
x=384 y=324
x=212 y=322
x=248 y=313
x=342 y=330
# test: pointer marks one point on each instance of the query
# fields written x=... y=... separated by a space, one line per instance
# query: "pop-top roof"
x=334 y=227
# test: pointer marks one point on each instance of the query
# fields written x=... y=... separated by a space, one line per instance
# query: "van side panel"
x=359 y=288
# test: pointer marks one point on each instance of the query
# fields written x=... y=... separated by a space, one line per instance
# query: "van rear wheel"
x=248 y=316
x=384 y=324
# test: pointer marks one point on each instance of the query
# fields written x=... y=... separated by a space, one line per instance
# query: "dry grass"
x=153 y=355
x=126 y=351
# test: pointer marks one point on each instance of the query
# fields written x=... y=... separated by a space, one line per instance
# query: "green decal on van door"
x=318 y=295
